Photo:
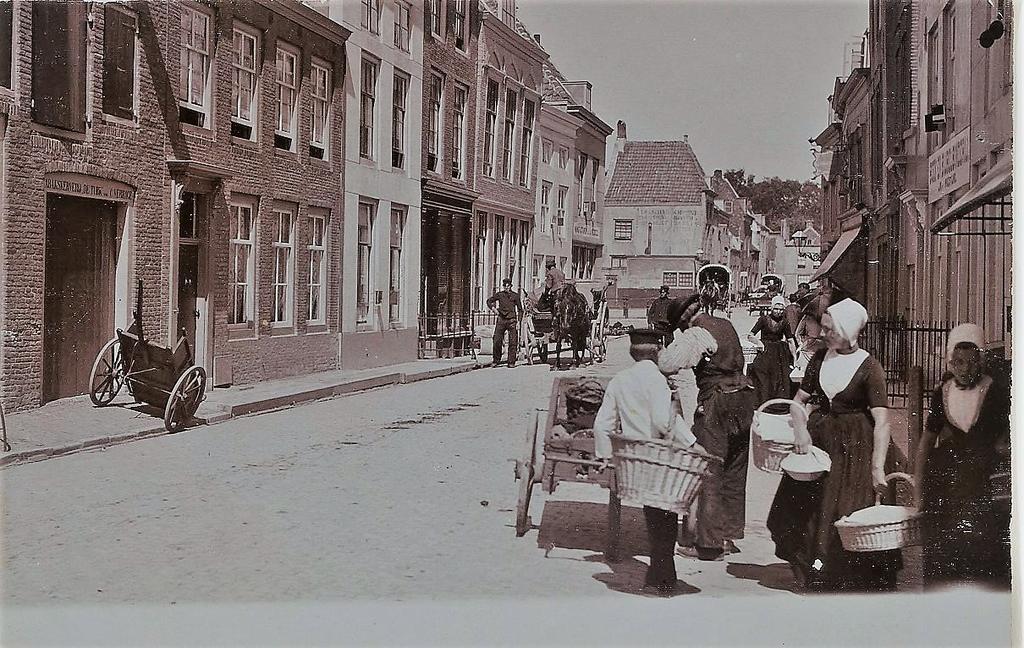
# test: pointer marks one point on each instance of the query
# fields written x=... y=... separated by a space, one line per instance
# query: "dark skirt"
x=770 y=372
x=802 y=514
x=966 y=538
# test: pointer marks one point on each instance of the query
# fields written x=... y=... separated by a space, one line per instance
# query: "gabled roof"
x=649 y=173
x=723 y=188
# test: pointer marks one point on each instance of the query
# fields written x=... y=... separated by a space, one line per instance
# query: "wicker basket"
x=658 y=473
x=857 y=536
x=767 y=453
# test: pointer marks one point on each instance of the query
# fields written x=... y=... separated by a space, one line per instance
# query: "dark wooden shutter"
x=58 y=64
x=6 y=43
x=118 y=63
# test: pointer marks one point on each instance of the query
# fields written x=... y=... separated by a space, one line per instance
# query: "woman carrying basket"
x=967 y=437
x=845 y=389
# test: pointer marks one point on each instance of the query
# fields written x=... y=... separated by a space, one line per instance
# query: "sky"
x=746 y=80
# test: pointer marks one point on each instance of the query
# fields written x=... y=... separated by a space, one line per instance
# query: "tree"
x=778 y=199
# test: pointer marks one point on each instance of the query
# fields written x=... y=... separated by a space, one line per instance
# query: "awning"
x=846 y=239
x=997 y=183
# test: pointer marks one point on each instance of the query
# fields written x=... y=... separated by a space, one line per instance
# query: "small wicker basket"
x=658 y=473
x=886 y=536
x=766 y=453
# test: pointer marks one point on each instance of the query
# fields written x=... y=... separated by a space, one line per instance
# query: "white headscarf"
x=964 y=333
x=848 y=319
x=778 y=301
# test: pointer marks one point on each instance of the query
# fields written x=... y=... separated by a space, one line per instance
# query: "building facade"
x=556 y=173
x=201 y=158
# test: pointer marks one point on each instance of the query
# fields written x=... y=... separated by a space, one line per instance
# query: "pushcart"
x=164 y=378
x=559 y=447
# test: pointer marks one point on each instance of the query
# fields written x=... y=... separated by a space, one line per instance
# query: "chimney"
x=536 y=37
x=621 y=127
x=686 y=138
x=718 y=173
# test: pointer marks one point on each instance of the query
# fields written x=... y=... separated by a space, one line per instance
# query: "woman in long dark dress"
x=770 y=369
x=844 y=387
x=966 y=534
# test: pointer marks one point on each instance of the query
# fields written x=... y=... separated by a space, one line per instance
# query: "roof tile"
x=656 y=172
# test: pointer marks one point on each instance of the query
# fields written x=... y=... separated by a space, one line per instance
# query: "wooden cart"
x=164 y=378
x=548 y=458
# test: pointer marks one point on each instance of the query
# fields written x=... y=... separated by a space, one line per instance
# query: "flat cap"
x=645 y=336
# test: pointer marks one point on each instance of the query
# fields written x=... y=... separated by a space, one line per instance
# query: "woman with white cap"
x=770 y=369
x=967 y=436
x=844 y=387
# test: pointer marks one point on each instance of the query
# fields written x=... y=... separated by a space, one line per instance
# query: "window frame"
x=204 y=109
x=622 y=229
x=460 y=24
x=364 y=264
x=318 y=66
x=369 y=18
x=399 y=113
x=526 y=133
x=563 y=157
x=561 y=200
x=403 y=32
x=396 y=284
x=288 y=284
x=287 y=50
x=436 y=11
x=547 y=151
x=109 y=9
x=235 y=208
x=435 y=122
x=317 y=280
x=508 y=137
x=252 y=122
x=458 y=171
x=367 y=115
x=490 y=128
x=545 y=205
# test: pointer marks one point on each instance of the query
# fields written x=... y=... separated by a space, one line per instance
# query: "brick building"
x=449 y=162
x=193 y=147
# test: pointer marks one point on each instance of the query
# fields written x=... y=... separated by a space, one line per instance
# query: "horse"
x=711 y=297
x=571 y=321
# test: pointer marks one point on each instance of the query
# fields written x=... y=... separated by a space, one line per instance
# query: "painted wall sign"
x=949 y=168
x=73 y=184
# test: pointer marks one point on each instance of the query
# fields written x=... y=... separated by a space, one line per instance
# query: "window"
x=58 y=64
x=243 y=84
x=402 y=23
x=618 y=262
x=7 y=44
x=364 y=238
x=459 y=133
x=669 y=279
x=195 y=67
x=319 y=137
x=499 y=238
x=563 y=157
x=395 y=285
x=545 y=206
x=511 y=108
x=538 y=271
x=399 y=93
x=242 y=271
x=284 y=265
x=459 y=23
x=481 y=251
x=490 y=125
x=623 y=230
x=526 y=144
x=686 y=280
x=434 y=122
x=435 y=17
x=949 y=69
x=547 y=148
x=560 y=208
x=371 y=16
x=287 y=99
x=368 y=95
x=317 y=227
x=524 y=248
x=118 y=63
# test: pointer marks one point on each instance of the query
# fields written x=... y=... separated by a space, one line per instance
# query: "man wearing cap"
x=510 y=312
x=657 y=315
x=797 y=301
x=554 y=280
x=638 y=405
x=725 y=407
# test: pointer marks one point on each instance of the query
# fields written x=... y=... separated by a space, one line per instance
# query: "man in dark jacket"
x=510 y=312
x=657 y=316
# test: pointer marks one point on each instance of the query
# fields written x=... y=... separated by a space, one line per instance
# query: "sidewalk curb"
x=259 y=406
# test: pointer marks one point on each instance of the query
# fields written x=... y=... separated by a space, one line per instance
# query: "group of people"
x=843 y=410
x=509 y=308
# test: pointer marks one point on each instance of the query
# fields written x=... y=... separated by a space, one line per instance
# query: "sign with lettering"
x=669 y=230
x=586 y=229
x=949 y=168
x=73 y=184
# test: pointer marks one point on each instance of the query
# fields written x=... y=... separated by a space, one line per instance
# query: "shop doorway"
x=78 y=293
x=192 y=298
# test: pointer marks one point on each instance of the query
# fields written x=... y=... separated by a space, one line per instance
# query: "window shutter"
x=118 y=63
x=6 y=43
x=58 y=64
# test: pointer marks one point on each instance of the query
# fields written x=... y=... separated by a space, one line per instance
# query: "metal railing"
x=899 y=346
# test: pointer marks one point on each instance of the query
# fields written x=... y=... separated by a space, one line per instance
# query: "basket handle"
x=782 y=401
x=891 y=476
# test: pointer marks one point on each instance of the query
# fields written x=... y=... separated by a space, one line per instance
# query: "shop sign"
x=72 y=184
x=585 y=229
x=949 y=168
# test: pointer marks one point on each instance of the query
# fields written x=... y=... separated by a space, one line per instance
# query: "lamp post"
x=799 y=238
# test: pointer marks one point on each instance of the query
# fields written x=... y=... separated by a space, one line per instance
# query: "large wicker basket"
x=658 y=473
x=768 y=454
x=858 y=536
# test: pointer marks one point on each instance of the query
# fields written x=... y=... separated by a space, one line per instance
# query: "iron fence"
x=900 y=345
x=451 y=335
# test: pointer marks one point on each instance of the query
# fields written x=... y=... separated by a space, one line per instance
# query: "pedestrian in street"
x=638 y=405
x=770 y=369
x=554 y=281
x=510 y=313
x=845 y=390
x=657 y=315
x=721 y=423
x=967 y=437
x=796 y=303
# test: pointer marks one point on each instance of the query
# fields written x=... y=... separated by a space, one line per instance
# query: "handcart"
x=164 y=378
x=559 y=447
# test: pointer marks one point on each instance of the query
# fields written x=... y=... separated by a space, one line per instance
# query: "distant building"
x=796 y=263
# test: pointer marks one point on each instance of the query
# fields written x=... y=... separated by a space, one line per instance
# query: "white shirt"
x=963 y=405
x=837 y=370
x=638 y=405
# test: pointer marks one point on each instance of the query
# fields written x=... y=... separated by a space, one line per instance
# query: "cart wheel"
x=107 y=375
x=185 y=398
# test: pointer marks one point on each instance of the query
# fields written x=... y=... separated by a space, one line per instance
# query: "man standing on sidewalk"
x=510 y=312
x=725 y=408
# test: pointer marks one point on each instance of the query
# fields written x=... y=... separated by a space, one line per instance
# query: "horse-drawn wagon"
x=713 y=285
x=771 y=286
x=568 y=320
